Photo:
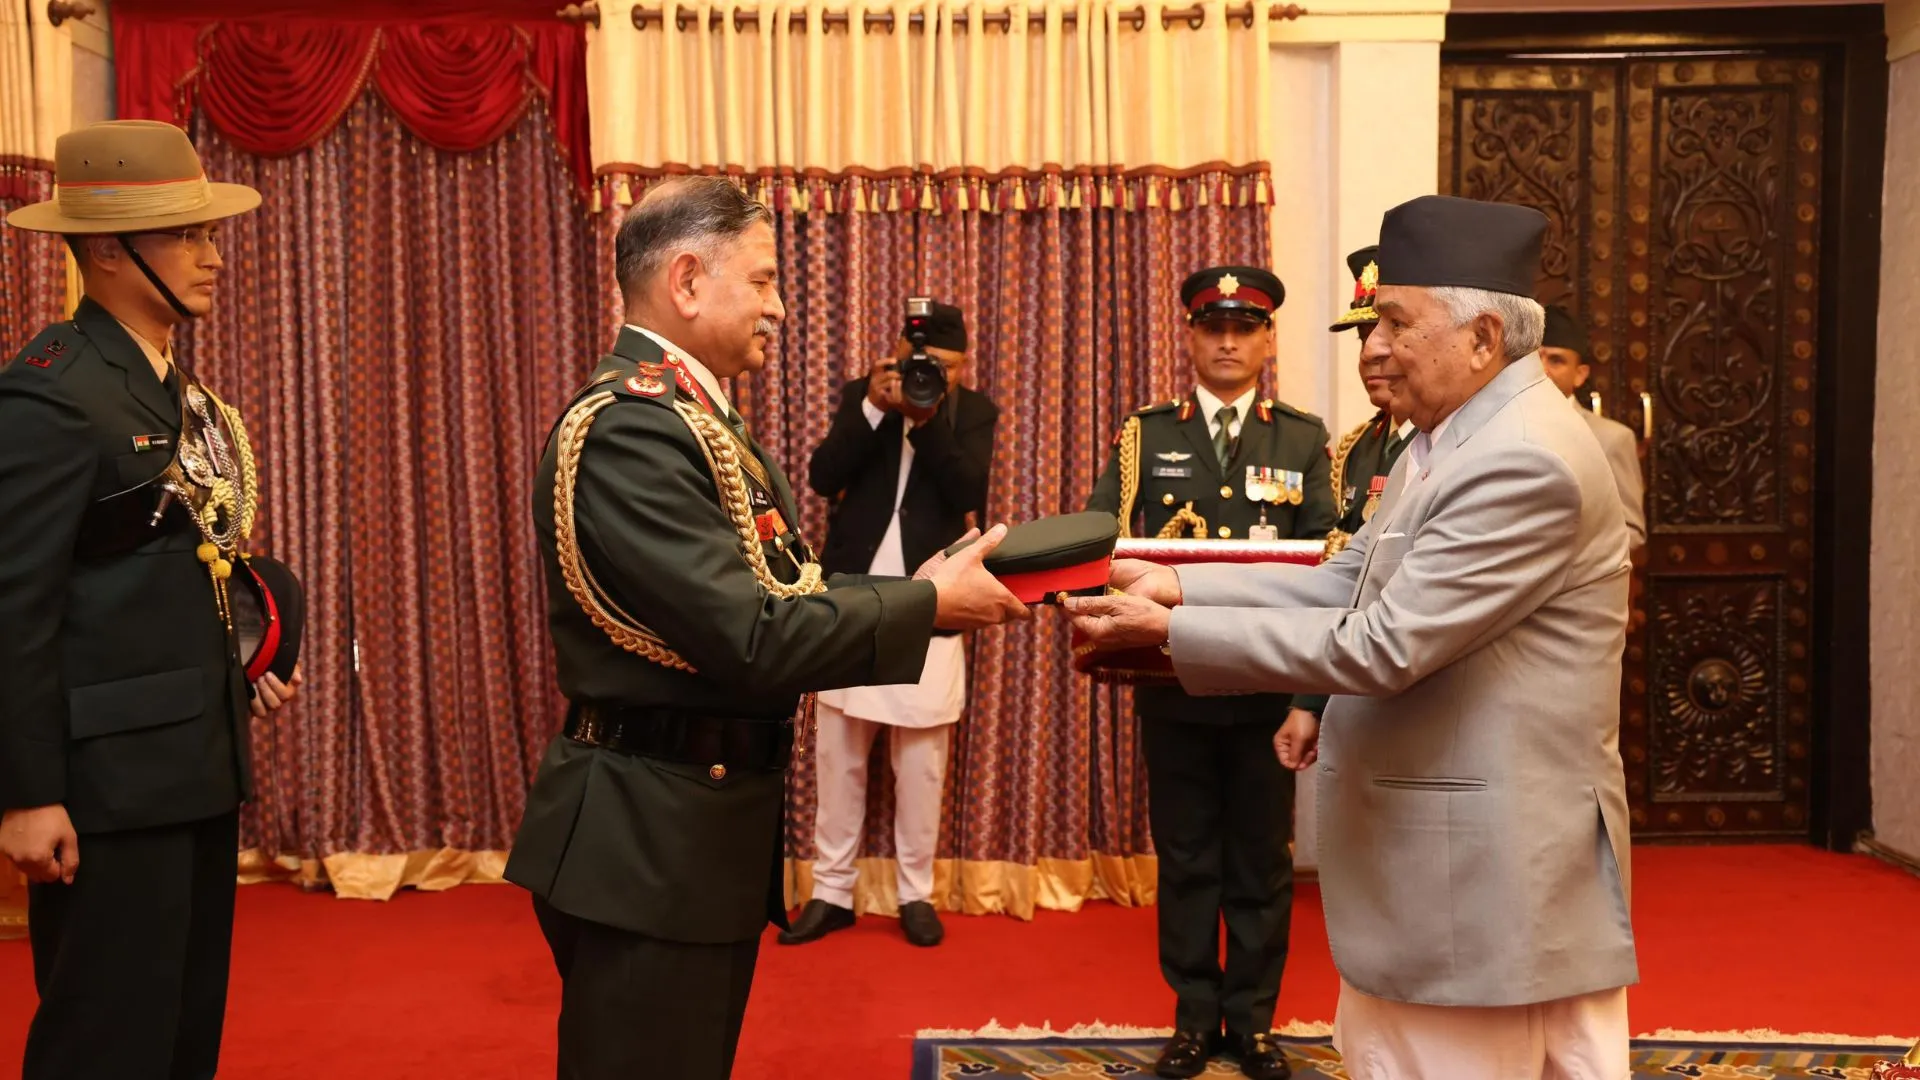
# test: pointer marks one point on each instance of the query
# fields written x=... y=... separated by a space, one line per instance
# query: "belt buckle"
x=589 y=729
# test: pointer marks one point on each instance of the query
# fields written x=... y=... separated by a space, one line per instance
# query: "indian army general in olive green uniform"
x=1221 y=807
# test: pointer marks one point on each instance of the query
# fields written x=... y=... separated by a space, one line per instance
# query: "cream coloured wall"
x=1355 y=130
x=1895 y=568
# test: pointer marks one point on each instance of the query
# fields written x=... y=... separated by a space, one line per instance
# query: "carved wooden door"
x=1684 y=194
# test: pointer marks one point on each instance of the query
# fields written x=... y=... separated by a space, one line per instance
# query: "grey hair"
x=701 y=214
x=1524 y=319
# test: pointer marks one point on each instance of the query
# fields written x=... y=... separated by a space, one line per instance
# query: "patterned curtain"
x=399 y=325
x=1074 y=321
x=33 y=290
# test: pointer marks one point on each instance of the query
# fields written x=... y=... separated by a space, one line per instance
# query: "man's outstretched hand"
x=1119 y=622
x=969 y=597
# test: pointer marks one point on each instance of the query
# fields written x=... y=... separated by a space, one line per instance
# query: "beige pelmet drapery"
x=36 y=80
x=1070 y=95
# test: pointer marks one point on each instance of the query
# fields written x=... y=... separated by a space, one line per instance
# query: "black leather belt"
x=689 y=738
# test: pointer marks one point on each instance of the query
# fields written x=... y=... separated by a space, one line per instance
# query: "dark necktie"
x=738 y=425
x=1223 y=439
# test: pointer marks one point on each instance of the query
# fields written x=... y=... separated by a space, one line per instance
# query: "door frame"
x=1853 y=39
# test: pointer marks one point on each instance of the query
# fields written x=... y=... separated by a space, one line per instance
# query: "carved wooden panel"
x=1714 y=678
x=1684 y=202
x=1540 y=135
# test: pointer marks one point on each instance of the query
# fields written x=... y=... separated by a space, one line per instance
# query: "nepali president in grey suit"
x=1473 y=853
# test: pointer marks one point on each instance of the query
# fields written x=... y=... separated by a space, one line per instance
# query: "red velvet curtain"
x=276 y=84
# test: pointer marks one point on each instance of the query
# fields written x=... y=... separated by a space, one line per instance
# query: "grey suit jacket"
x=1473 y=845
x=1623 y=457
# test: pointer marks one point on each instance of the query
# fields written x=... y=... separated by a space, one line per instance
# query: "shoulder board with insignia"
x=1298 y=414
x=55 y=345
x=644 y=381
x=1158 y=408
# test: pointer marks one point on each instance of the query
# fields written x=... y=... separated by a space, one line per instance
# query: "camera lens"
x=923 y=382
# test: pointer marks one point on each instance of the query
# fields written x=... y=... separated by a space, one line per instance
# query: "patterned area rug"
x=1096 y=1050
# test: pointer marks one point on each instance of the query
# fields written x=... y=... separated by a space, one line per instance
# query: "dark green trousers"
x=1221 y=809
x=131 y=959
x=635 y=1006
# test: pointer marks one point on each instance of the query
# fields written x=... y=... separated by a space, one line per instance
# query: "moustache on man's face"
x=766 y=326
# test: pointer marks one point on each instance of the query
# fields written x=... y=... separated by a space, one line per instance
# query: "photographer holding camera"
x=904 y=464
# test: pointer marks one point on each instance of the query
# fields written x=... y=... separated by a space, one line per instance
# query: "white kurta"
x=918 y=713
x=941 y=693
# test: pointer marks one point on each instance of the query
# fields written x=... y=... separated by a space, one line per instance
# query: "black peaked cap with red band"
x=1233 y=292
x=1070 y=553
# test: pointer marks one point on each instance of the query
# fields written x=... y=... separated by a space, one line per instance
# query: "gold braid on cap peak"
x=730 y=488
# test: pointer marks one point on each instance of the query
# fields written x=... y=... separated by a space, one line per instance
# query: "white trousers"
x=842 y=744
x=1577 y=1038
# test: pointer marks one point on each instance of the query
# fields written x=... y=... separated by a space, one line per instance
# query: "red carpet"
x=458 y=984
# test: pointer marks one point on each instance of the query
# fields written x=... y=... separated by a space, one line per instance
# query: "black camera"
x=923 y=380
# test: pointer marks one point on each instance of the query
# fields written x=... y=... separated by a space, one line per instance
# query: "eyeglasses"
x=193 y=237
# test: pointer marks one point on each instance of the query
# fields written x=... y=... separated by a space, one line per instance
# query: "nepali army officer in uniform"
x=127 y=492
x=688 y=619
x=1221 y=463
x=1364 y=456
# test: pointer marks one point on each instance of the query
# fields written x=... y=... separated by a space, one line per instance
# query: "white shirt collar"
x=694 y=367
x=1422 y=447
x=1406 y=427
x=1210 y=405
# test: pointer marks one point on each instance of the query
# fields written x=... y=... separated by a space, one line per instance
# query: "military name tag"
x=1263 y=532
x=1172 y=472
x=144 y=443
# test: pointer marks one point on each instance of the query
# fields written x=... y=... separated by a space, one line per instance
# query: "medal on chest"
x=1264 y=487
x=1375 y=489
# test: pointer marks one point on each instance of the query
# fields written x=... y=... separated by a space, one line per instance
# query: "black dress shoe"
x=1260 y=1057
x=921 y=925
x=1185 y=1055
x=817 y=920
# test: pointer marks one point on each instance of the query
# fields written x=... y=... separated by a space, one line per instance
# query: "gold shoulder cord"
x=724 y=460
x=1336 y=540
x=1184 y=517
x=1129 y=473
x=249 y=475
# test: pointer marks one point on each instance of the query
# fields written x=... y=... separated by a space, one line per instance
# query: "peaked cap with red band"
x=269 y=616
x=1070 y=553
x=1232 y=292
